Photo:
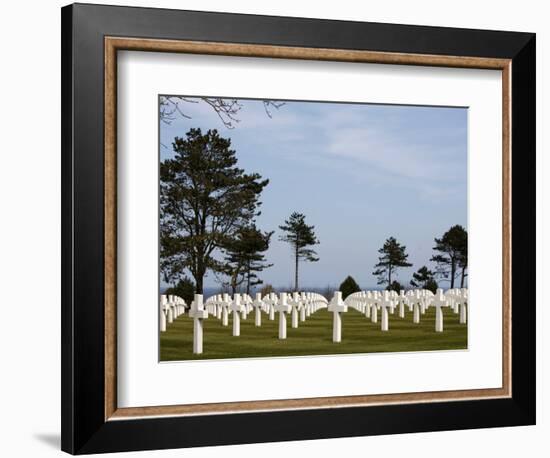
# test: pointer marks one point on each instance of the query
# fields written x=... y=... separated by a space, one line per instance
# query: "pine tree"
x=453 y=246
x=424 y=278
x=463 y=260
x=300 y=236
x=392 y=257
x=245 y=257
x=204 y=199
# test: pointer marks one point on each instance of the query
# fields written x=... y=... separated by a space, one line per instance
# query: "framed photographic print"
x=282 y=228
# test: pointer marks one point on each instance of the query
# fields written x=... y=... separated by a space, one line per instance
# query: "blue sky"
x=360 y=173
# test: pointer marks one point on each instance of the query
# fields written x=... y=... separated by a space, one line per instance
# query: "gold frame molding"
x=114 y=44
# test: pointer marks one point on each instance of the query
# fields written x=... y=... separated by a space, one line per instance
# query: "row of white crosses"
x=222 y=305
x=417 y=301
x=363 y=302
x=170 y=308
x=458 y=300
x=299 y=305
x=302 y=305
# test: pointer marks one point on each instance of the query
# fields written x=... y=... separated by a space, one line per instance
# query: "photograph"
x=301 y=228
x=272 y=225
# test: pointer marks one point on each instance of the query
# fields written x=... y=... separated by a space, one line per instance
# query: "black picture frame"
x=84 y=428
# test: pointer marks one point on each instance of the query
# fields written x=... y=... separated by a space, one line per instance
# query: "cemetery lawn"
x=312 y=337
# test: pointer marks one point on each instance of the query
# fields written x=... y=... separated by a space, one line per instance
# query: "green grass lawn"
x=313 y=337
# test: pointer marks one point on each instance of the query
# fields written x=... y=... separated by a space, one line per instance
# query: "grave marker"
x=258 y=304
x=283 y=308
x=295 y=304
x=236 y=308
x=386 y=303
x=162 y=312
x=439 y=301
x=198 y=314
x=337 y=306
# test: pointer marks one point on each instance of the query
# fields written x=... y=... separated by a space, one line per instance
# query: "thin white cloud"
x=372 y=148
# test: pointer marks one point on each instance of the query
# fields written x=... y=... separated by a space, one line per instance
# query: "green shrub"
x=348 y=286
x=184 y=289
x=395 y=286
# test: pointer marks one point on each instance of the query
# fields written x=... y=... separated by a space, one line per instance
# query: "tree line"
x=451 y=259
x=208 y=207
x=208 y=211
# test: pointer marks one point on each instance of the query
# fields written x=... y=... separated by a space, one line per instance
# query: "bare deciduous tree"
x=227 y=110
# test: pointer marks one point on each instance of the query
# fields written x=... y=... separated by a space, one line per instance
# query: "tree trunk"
x=233 y=284
x=248 y=279
x=463 y=276
x=389 y=275
x=200 y=272
x=453 y=273
x=198 y=283
x=296 y=270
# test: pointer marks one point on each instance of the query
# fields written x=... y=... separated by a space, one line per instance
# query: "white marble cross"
x=402 y=299
x=198 y=314
x=304 y=307
x=162 y=312
x=219 y=307
x=455 y=299
x=384 y=304
x=393 y=297
x=337 y=306
x=368 y=303
x=412 y=298
x=258 y=304
x=463 y=313
x=439 y=301
x=416 y=313
x=174 y=306
x=180 y=306
x=244 y=307
x=425 y=299
x=376 y=297
x=225 y=303
x=295 y=302
x=236 y=308
x=283 y=308
x=169 y=310
x=463 y=306
x=272 y=303
x=309 y=304
x=414 y=303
